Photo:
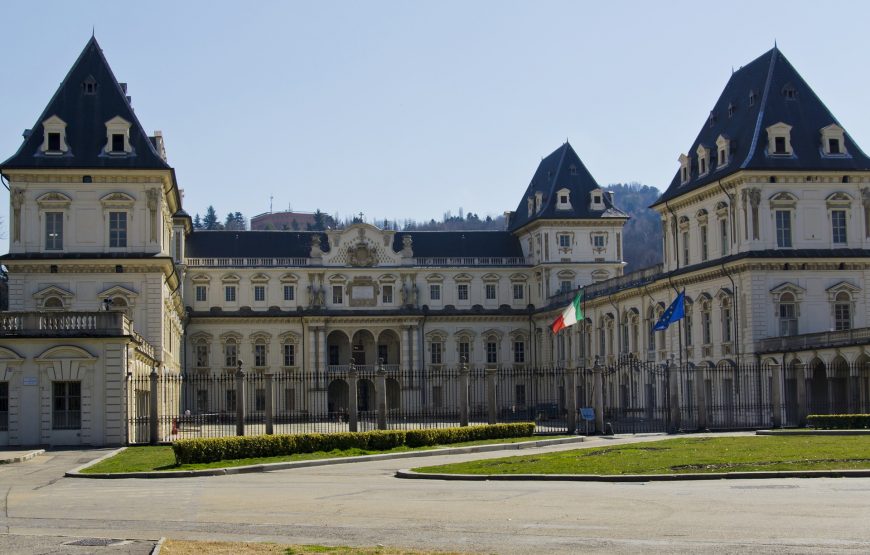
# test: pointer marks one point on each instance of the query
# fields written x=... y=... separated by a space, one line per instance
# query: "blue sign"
x=587 y=413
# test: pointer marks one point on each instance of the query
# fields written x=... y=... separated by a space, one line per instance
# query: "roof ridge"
x=751 y=154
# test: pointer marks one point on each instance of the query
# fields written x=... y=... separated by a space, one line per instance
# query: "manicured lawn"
x=186 y=547
x=160 y=457
x=685 y=455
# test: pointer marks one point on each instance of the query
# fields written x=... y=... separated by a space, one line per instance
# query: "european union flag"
x=674 y=313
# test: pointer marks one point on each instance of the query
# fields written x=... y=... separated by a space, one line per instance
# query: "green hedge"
x=205 y=450
x=839 y=421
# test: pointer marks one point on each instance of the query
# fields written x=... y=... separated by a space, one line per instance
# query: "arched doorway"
x=337 y=397
x=363 y=348
x=389 y=347
x=818 y=388
x=365 y=395
x=337 y=348
x=838 y=386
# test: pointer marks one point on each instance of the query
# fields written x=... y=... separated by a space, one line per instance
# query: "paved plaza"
x=364 y=504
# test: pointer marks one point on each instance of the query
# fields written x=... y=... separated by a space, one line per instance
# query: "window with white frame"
x=833 y=141
x=598 y=241
x=491 y=351
x=838 y=226
x=117 y=229
x=436 y=348
x=54 y=231
x=842 y=311
x=519 y=351
x=387 y=294
x=490 y=291
x=783 y=229
x=289 y=354
x=462 y=291
x=434 y=291
x=703 y=160
x=289 y=292
x=727 y=320
x=259 y=293
x=201 y=355
x=201 y=293
x=66 y=413
x=564 y=240
x=118 y=136
x=519 y=291
x=779 y=140
x=54 y=138
x=231 y=353
x=337 y=294
x=260 y=353
x=230 y=293
x=464 y=350
x=788 y=315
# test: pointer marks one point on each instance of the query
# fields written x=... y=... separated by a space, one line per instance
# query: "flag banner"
x=674 y=313
x=571 y=315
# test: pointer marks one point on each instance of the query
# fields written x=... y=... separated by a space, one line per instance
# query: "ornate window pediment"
x=434 y=278
x=783 y=200
x=724 y=293
x=701 y=215
x=465 y=334
x=436 y=335
x=387 y=278
x=65 y=352
x=519 y=277
x=600 y=275
x=117 y=200
x=289 y=278
x=838 y=199
x=491 y=277
x=703 y=160
x=233 y=336
x=462 y=278
x=260 y=278
x=563 y=199
x=118 y=291
x=230 y=278
x=53 y=298
x=842 y=287
x=723 y=148
x=519 y=335
x=201 y=337
x=54 y=137
x=201 y=278
x=289 y=337
x=260 y=337
x=566 y=274
x=685 y=168
x=53 y=201
x=492 y=335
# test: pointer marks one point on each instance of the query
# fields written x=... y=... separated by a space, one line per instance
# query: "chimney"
x=123 y=87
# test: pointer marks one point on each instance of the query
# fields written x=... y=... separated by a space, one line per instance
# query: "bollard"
x=240 y=400
x=270 y=429
x=463 y=395
x=153 y=407
x=352 y=401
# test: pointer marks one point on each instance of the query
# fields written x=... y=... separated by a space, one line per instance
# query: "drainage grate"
x=94 y=542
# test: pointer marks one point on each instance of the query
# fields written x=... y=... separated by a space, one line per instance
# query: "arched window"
x=706 y=332
x=727 y=320
x=53 y=303
x=231 y=352
x=842 y=311
x=788 y=322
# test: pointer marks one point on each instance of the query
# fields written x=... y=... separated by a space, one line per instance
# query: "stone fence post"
x=673 y=377
x=776 y=394
x=270 y=429
x=154 y=407
x=240 y=400
x=352 y=406
x=598 y=395
x=571 y=399
x=463 y=395
x=491 y=396
x=381 y=395
x=701 y=397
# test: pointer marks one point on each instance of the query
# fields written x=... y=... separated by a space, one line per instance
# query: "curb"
x=77 y=472
x=22 y=458
x=158 y=546
x=410 y=474
x=812 y=432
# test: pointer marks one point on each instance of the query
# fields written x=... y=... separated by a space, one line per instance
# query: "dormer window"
x=779 y=139
x=539 y=201
x=89 y=85
x=722 y=146
x=833 y=140
x=597 y=198
x=684 y=168
x=752 y=96
x=118 y=136
x=563 y=199
x=731 y=108
x=531 y=204
x=711 y=119
x=789 y=92
x=54 y=141
x=572 y=169
x=703 y=160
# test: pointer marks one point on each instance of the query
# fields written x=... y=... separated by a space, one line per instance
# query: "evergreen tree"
x=319 y=221
x=295 y=225
x=197 y=222
x=210 y=221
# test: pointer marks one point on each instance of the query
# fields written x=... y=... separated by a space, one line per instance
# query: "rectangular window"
x=833 y=146
x=259 y=293
x=289 y=354
x=685 y=248
x=598 y=241
x=519 y=351
x=726 y=324
x=337 y=294
x=490 y=291
x=566 y=286
x=704 y=249
x=518 y=291
x=435 y=352
x=464 y=352
x=688 y=328
x=260 y=399
x=564 y=241
x=434 y=292
x=842 y=317
x=289 y=293
x=387 y=294
x=520 y=394
x=259 y=355
x=66 y=405
x=779 y=145
x=202 y=356
x=462 y=291
x=783 y=229
x=201 y=293
x=54 y=231
x=117 y=142
x=491 y=352
x=788 y=323
x=231 y=400
x=230 y=355
x=707 y=336
x=54 y=142
x=838 y=226
x=723 y=234
x=4 y=406
x=117 y=229
x=230 y=293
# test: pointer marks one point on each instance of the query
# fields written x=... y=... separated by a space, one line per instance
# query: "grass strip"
x=188 y=547
x=160 y=457
x=684 y=455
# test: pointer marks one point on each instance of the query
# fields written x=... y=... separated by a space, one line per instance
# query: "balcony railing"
x=59 y=324
x=470 y=261
x=809 y=341
x=246 y=262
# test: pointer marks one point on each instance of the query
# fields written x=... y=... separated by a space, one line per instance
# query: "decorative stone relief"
x=153 y=201
x=17 y=201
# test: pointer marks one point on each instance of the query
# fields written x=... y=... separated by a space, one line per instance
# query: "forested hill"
x=642 y=240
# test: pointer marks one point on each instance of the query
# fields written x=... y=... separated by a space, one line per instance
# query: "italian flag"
x=571 y=315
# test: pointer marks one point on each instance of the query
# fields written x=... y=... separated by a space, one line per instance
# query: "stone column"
x=491 y=396
x=571 y=397
x=701 y=396
x=269 y=404
x=463 y=394
x=240 y=400
x=381 y=396
x=598 y=395
x=776 y=394
x=154 y=407
x=352 y=401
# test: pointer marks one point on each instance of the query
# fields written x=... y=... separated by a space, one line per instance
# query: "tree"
x=210 y=221
x=197 y=222
x=295 y=225
x=319 y=221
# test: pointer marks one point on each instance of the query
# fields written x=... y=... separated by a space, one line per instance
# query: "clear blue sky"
x=410 y=109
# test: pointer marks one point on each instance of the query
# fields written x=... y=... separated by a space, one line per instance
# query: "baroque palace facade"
x=765 y=225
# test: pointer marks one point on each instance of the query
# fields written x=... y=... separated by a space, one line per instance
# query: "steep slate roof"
x=460 y=243
x=252 y=244
x=562 y=169
x=85 y=116
x=768 y=76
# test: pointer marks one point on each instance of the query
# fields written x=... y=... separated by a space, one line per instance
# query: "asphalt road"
x=363 y=504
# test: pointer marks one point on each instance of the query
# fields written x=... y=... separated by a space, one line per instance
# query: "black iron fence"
x=627 y=397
